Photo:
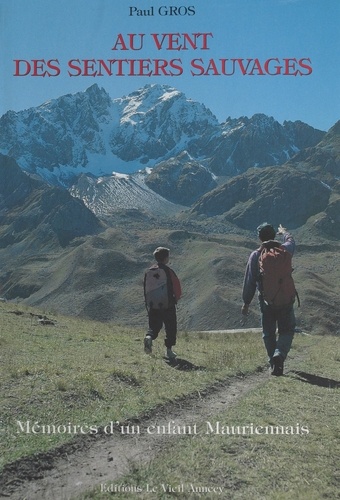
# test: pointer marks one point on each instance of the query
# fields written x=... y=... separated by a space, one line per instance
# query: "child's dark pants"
x=158 y=317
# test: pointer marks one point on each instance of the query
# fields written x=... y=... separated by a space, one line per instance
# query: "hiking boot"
x=148 y=345
x=171 y=354
x=277 y=366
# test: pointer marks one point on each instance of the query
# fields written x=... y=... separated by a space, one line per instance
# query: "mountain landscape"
x=88 y=132
x=91 y=185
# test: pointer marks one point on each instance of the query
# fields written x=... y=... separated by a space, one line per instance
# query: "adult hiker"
x=162 y=290
x=269 y=271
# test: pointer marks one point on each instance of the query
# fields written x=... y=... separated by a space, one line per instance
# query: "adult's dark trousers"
x=166 y=317
x=284 y=321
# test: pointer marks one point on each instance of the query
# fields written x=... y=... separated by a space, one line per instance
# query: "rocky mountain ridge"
x=290 y=197
x=88 y=132
x=35 y=217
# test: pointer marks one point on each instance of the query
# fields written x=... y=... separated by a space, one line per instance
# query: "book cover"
x=160 y=116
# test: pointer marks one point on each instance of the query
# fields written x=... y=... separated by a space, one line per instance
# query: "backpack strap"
x=270 y=244
x=144 y=281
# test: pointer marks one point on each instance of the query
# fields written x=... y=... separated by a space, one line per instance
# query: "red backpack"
x=275 y=266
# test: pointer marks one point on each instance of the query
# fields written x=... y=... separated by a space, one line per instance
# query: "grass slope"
x=280 y=442
x=101 y=278
x=83 y=373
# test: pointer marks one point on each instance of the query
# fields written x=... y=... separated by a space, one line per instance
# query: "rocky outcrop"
x=280 y=195
x=181 y=179
x=39 y=215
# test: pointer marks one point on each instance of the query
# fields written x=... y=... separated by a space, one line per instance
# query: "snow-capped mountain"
x=157 y=122
x=59 y=134
x=259 y=141
x=88 y=132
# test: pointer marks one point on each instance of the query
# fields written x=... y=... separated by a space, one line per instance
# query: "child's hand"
x=281 y=229
x=245 y=309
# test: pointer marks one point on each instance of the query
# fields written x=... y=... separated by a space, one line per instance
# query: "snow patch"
x=118 y=175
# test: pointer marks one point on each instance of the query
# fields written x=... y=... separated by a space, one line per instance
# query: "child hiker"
x=162 y=290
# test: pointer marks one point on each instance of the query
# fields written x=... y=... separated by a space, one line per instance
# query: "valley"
x=90 y=186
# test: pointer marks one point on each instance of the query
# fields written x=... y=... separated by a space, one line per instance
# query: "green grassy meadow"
x=293 y=456
x=87 y=374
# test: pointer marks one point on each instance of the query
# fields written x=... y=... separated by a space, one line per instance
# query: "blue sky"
x=64 y=30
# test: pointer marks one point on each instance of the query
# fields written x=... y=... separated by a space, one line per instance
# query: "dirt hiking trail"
x=92 y=460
